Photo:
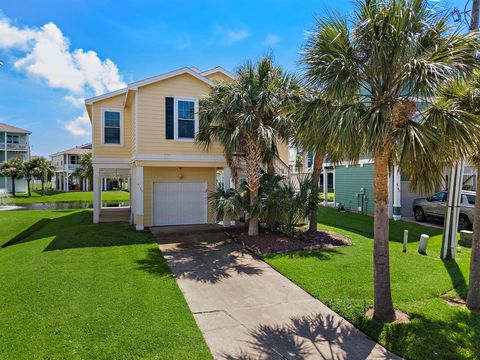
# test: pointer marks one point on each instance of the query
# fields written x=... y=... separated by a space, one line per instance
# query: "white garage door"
x=179 y=203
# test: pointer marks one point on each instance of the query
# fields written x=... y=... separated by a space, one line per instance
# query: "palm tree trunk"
x=253 y=221
x=43 y=187
x=28 y=187
x=13 y=187
x=383 y=304
x=317 y=168
x=270 y=167
x=253 y=160
x=473 y=297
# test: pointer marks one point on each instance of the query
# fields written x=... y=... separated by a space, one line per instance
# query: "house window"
x=112 y=122
x=73 y=159
x=186 y=119
x=13 y=139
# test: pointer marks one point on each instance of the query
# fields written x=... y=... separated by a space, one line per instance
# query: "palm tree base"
x=399 y=317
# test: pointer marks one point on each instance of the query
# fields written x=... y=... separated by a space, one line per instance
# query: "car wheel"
x=419 y=214
x=463 y=223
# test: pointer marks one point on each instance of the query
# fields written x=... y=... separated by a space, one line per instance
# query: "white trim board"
x=178 y=157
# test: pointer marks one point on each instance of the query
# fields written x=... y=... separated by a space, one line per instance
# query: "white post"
x=325 y=186
x=390 y=192
x=455 y=182
x=397 y=214
x=139 y=198
x=97 y=194
x=227 y=178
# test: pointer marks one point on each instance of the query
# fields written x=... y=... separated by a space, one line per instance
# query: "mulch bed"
x=274 y=243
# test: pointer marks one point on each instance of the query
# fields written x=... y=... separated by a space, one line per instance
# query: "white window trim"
x=175 y=118
x=120 y=110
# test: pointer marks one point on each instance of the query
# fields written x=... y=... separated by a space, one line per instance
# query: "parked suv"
x=435 y=206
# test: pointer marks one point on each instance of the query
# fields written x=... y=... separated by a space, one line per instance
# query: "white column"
x=397 y=195
x=97 y=194
x=227 y=178
x=325 y=186
x=139 y=198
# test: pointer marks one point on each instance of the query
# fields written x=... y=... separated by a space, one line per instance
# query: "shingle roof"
x=77 y=150
x=10 y=128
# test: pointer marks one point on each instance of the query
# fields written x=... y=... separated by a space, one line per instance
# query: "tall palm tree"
x=377 y=66
x=43 y=170
x=14 y=169
x=248 y=113
x=308 y=135
x=464 y=96
x=28 y=167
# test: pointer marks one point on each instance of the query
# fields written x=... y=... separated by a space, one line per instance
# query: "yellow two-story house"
x=145 y=132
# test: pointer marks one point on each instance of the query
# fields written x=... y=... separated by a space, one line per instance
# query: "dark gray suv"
x=435 y=206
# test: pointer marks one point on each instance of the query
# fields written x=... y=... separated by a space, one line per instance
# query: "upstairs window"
x=112 y=127
x=13 y=139
x=73 y=159
x=186 y=119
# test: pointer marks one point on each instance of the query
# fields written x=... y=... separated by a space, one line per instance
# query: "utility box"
x=466 y=238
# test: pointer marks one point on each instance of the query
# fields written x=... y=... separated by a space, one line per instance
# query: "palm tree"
x=85 y=168
x=464 y=96
x=43 y=170
x=376 y=67
x=29 y=166
x=310 y=137
x=13 y=169
x=248 y=113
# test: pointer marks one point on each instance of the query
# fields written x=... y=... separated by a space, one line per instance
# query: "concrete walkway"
x=247 y=310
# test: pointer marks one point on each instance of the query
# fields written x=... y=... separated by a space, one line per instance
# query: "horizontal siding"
x=159 y=174
x=151 y=116
x=219 y=76
x=349 y=180
x=111 y=151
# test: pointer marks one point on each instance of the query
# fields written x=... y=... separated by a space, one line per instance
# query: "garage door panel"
x=179 y=203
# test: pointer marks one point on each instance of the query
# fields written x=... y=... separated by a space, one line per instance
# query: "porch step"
x=115 y=215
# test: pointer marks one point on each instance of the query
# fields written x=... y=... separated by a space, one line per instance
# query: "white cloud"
x=80 y=126
x=75 y=101
x=271 y=39
x=230 y=36
x=45 y=54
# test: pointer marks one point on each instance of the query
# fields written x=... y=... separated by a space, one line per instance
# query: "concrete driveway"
x=247 y=310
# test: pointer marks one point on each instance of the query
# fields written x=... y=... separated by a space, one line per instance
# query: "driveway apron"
x=247 y=310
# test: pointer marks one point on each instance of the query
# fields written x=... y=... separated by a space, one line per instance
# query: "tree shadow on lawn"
x=316 y=336
x=456 y=337
x=154 y=263
x=76 y=230
x=459 y=282
x=320 y=254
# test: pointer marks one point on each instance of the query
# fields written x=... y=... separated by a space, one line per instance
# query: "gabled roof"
x=10 y=128
x=77 y=150
x=220 y=70
x=193 y=71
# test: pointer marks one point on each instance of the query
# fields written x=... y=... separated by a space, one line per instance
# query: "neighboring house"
x=353 y=185
x=145 y=132
x=66 y=162
x=14 y=144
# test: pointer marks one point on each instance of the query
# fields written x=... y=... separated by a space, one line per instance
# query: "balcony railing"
x=9 y=146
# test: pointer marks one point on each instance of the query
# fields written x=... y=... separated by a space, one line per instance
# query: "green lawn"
x=75 y=290
x=330 y=196
x=343 y=279
x=72 y=196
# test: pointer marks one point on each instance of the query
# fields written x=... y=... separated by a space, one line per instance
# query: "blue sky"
x=55 y=55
